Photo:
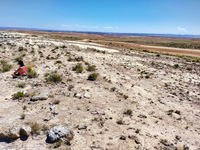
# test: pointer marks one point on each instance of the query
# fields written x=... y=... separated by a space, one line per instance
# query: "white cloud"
x=110 y=27
x=181 y=29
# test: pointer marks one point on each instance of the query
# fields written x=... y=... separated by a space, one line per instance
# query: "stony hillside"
x=85 y=96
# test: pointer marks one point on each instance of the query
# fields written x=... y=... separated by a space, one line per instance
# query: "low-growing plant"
x=91 y=68
x=93 y=76
x=176 y=66
x=56 y=102
x=20 y=48
x=78 y=68
x=24 y=107
x=32 y=74
x=70 y=58
x=54 y=78
x=70 y=87
x=57 y=144
x=21 y=85
x=58 y=62
x=120 y=121
x=128 y=112
x=18 y=95
x=35 y=128
x=5 y=66
x=22 y=116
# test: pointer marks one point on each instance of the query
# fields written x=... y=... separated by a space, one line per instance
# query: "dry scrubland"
x=132 y=100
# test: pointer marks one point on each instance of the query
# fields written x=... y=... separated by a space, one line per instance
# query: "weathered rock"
x=82 y=127
x=43 y=96
x=122 y=137
x=25 y=131
x=58 y=132
x=78 y=95
x=86 y=95
x=9 y=133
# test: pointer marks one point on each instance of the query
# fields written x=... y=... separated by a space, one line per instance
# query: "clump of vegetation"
x=21 y=85
x=51 y=96
x=54 y=78
x=18 y=95
x=57 y=144
x=78 y=68
x=5 y=66
x=35 y=128
x=56 y=102
x=58 y=62
x=20 y=48
x=93 y=76
x=32 y=74
x=70 y=58
x=70 y=87
x=91 y=68
x=120 y=121
x=24 y=107
x=176 y=66
x=128 y=112
x=19 y=58
x=22 y=116
x=125 y=96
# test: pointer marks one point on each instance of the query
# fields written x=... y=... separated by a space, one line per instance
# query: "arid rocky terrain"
x=139 y=100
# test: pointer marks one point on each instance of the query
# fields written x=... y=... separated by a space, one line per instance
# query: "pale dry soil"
x=148 y=85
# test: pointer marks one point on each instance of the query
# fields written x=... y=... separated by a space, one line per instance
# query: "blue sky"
x=135 y=16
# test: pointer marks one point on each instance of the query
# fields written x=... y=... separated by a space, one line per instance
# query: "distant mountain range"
x=112 y=33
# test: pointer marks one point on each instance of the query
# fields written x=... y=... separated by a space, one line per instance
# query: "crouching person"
x=21 y=71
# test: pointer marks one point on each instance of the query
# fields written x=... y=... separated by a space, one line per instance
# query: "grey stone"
x=43 y=96
x=58 y=132
x=82 y=127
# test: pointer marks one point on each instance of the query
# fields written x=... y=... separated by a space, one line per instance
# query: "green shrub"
x=93 y=76
x=58 y=62
x=5 y=66
x=91 y=68
x=32 y=74
x=70 y=59
x=57 y=144
x=56 y=102
x=54 y=78
x=128 y=112
x=18 y=58
x=18 y=95
x=21 y=85
x=78 y=68
x=35 y=128
x=70 y=87
x=20 y=48
x=22 y=116
x=176 y=66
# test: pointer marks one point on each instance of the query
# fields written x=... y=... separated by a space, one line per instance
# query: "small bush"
x=5 y=66
x=128 y=112
x=22 y=116
x=78 y=68
x=120 y=121
x=57 y=144
x=54 y=78
x=19 y=58
x=18 y=95
x=21 y=85
x=70 y=87
x=70 y=59
x=58 y=62
x=176 y=66
x=91 y=68
x=35 y=128
x=20 y=48
x=56 y=102
x=93 y=76
x=32 y=74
